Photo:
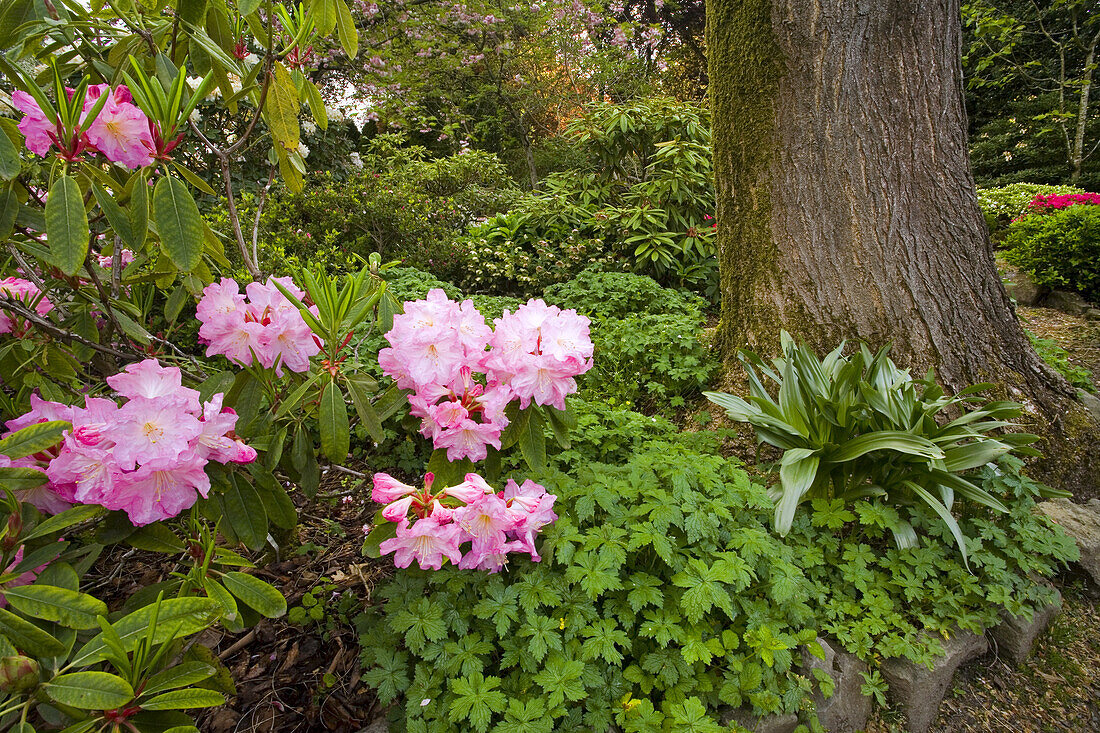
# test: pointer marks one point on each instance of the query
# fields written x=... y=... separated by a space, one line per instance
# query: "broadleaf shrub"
x=1060 y=249
x=1001 y=205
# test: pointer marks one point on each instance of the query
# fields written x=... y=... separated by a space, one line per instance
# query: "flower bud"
x=18 y=674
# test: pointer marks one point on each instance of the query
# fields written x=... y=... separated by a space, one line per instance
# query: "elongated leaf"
x=886 y=440
x=246 y=512
x=333 y=423
x=281 y=109
x=90 y=690
x=67 y=225
x=181 y=675
x=9 y=209
x=184 y=700
x=31 y=638
x=178 y=223
x=256 y=594
x=9 y=158
x=345 y=27
x=33 y=438
x=20 y=478
x=324 y=15
x=66 y=607
x=973 y=455
x=116 y=217
x=189 y=614
x=945 y=515
x=367 y=416
x=138 y=212
x=532 y=441
x=65 y=519
x=797 y=471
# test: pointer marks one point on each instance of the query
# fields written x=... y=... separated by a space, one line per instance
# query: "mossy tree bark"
x=846 y=203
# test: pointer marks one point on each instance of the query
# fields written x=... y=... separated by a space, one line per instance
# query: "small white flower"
x=425 y=701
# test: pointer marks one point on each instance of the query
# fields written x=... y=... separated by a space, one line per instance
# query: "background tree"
x=1029 y=69
x=846 y=204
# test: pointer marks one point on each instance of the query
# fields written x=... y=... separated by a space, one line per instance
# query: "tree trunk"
x=1083 y=111
x=846 y=203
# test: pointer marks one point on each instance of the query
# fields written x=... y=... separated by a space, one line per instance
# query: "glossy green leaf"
x=246 y=513
x=178 y=223
x=90 y=690
x=64 y=520
x=333 y=424
x=31 y=638
x=189 y=615
x=255 y=593
x=33 y=439
x=50 y=603
x=345 y=26
x=67 y=225
x=184 y=700
x=9 y=158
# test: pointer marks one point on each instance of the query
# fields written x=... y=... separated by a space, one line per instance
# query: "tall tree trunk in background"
x=846 y=204
x=1083 y=111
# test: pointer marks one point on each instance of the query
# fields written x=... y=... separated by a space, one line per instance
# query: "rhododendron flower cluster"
x=263 y=322
x=26 y=292
x=121 y=131
x=433 y=525
x=438 y=346
x=146 y=457
x=1045 y=203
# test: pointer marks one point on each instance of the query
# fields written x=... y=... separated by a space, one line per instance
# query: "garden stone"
x=1093 y=314
x=1016 y=635
x=768 y=724
x=1023 y=288
x=917 y=690
x=1082 y=523
x=1070 y=303
x=1091 y=403
x=848 y=709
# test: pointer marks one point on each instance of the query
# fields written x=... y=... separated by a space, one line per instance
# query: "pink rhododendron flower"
x=108 y=261
x=263 y=322
x=147 y=457
x=35 y=127
x=460 y=391
x=426 y=541
x=23 y=579
x=120 y=131
x=495 y=525
x=25 y=292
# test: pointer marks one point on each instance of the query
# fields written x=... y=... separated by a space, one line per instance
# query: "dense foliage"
x=1060 y=249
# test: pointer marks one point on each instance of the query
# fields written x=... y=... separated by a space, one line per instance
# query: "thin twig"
x=259 y=211
x=23 y=312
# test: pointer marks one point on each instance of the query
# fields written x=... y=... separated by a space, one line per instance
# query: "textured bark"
x=846 y=203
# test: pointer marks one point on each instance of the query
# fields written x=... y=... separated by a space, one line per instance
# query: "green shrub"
x=402 y=204
x=602 y=294
x=648 y=360
x=1001 y=205
x=659 y=597
x=510 y=254
x=857 y=426
x=878 y=600
x=1060 y=249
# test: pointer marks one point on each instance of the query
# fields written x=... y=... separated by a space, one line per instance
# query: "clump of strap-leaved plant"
x=856 y=426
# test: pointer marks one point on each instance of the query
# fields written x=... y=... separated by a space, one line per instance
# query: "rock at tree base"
x=1082 y=523
x=1022 y=287
x=848 y=709
x=917 y=690
x=378 y=725
x=1016 y=635
x=768 y=724
x=1069 y=303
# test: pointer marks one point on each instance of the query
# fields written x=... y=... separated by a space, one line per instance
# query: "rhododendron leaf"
x=281 y=110
x=248 y=7
x=176 y=618
x=33 y=439
x=293 y=401
x=345 y=24
x=280 y=509
x=184 y=700
x=67 y=225
x=181 y=675
x=333 y=423
x=9 y=209
x=9 y=158
x=50 y=603
x=32 y=639
x=178 y=223
x=174 y=304
x=193 y=179
x=156 y=537
x=116 y=217
x=367 y=416
x=257 y=594
x=448 y=473
x=21 y=479
x=246 y=513
x=313 y=96
x=138 y=211
x=324 y=15
x=90 y=690
x=383 y=530
x=532 y=442
x=132 y=328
